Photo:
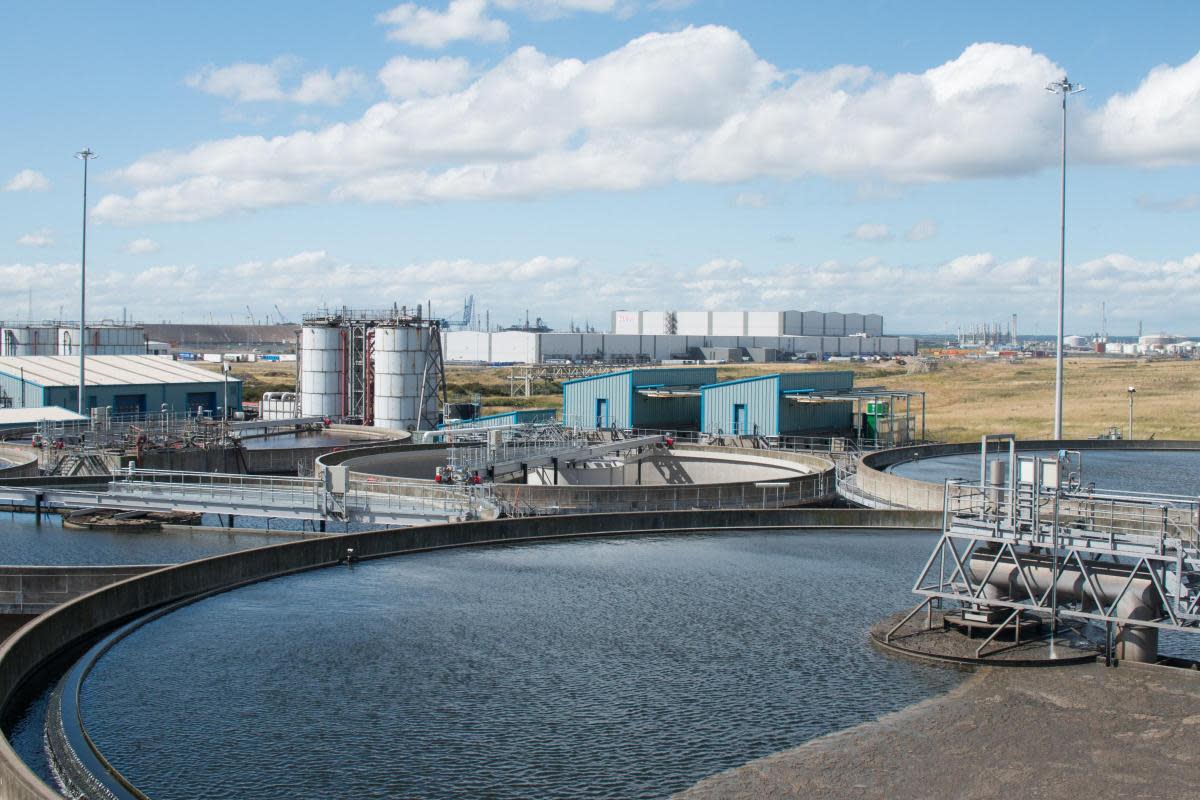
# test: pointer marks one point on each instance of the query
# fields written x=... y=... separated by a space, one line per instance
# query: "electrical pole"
x=86 y=155
x=1065 y=88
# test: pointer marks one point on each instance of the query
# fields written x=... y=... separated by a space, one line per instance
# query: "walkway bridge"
x=1127 y=561
x=375 y=501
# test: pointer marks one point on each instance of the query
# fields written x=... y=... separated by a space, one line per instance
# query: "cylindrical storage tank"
x=1075 y=341
x=400 y=356
x=322 y=372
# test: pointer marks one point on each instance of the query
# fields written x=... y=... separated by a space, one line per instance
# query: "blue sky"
x=577 y=156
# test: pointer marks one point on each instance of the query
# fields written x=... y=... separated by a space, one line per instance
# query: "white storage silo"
x=401 y=353
x=322 y=372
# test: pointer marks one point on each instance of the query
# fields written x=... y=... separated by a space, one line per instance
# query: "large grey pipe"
x=1140 y=601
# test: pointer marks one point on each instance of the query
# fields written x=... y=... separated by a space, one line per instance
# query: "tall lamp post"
x=1065 y=88
x=86 y=155
x=1132 y=391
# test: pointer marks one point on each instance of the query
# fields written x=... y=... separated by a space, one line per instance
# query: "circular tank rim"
x=92 y=615
x=875 y=480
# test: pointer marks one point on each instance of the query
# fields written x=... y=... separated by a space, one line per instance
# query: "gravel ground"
x=1085 y=731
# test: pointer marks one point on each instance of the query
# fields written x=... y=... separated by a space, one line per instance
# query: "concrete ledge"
x=36 y=589
x=24 y=461
x=82 y=619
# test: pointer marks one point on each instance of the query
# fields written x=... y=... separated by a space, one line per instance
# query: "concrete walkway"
x=1086 y=731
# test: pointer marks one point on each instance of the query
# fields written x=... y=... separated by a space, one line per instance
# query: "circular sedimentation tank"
x=914 y=477
x=599 y=667
x=666 y=478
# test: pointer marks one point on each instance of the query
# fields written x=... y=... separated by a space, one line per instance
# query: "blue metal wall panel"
x=580 y=396
x=627 y=409
x=174 y=395
x=759 y=395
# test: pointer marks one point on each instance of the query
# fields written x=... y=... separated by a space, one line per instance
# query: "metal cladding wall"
x=873 y=324
x=813 y=323
x=153 y=396
x=519 y=347
x=693 y=323
x=322 y=372
x=467 y=346
x=399 y=360
x=38 y=340
x=580 y=397
x=627 y=322
x=657 y=323
x=759 y=395
x=768 y=412
x=623 y=407
x=835 y=323
x=855 y=323
x=103 y=340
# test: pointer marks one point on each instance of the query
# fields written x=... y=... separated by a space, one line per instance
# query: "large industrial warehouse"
x=649 y=336
x=126 y=384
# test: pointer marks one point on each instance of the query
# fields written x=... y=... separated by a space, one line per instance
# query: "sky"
x=574 y=157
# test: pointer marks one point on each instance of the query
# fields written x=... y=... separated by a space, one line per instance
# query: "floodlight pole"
x=86 y=155
x=1065 y=88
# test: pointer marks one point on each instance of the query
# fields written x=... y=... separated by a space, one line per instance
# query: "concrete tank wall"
x=24 y=654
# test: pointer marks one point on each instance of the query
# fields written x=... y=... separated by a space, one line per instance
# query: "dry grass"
x=963 y=399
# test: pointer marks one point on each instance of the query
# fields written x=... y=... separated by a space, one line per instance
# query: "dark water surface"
x=1157 y=471
x=598 y=668
x=306 y=439
x=24 y=541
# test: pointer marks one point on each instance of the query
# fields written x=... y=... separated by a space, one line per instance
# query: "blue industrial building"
x=125 y=384
x=655 y=398
x=784 y=404
x=524 y=416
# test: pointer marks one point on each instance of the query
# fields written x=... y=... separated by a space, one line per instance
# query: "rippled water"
x=1159 y=471
x=24 y=541
x=583 y=669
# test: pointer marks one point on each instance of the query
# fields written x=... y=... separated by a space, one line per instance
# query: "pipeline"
x=1140 y=600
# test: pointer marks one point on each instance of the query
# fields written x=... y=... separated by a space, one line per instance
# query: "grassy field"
x=963 y=399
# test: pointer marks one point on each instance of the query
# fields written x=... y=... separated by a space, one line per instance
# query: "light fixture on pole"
x=1065 y=88
x=1132 y=391
x=86 y=155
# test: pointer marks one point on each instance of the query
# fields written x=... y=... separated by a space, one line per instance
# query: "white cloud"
x=692 y=105
x=405 y=78
x=27 y=180
x=1188 y=202
x=39 y=238
x=248 y=83
x=1155 y=125
x=199 y=198
x=549 y=9
x=139 y=247
x=925 y=229
x=425 y=27
x=751 y=200
x=872 y=232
